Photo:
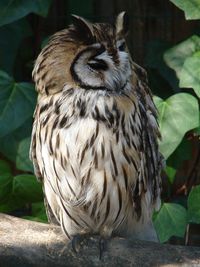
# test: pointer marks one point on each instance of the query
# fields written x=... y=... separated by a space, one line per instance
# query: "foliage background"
x=164 y=43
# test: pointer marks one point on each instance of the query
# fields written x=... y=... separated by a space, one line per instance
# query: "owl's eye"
x=97 y=64
x=122 y=46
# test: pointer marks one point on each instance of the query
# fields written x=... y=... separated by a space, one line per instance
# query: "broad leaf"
x=5 y=185
x=13 y=10
x=183 y=152
x=171 y=173
x=176 y=56
x=26 y=187
x=5 y=179
x=154 y=59
x=4 y=167
x=17 y=102
x=191 y=8
x=11 y=37
x=170 y=221
x=177 y=115
x=194 y=205
x=10 y=143
x=190 y=74
x=22 y=161
x=12 y=203
x=38 y=213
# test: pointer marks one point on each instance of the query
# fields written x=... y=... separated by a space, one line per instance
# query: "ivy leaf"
x=22 y=161
x=4 y=167
x=17 y=102
x=5 y=179
x=191 y=8
x=12 y=203
x=176 y=56
x=10 y=143
x=170 y=221
x=190 y=74
x=154 y=59
x=194 y=205
x=38 y=212
x=171 y=173
x=183 y=152
x=11 y=36
x=5 y=185
x=177 y=115
x=26 y=186
x=13 y=10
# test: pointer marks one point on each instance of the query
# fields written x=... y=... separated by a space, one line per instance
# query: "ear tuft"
x=122 y=24
x=83 y=26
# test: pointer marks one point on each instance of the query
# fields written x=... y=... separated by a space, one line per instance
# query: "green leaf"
x=176 y=56
x=171 y=173
x=177 y=115
x=190 y=74
x=4 y=167
x=170 y=221
x=191 y=8
x=13 y=10
x=194 y=205
x=38 y=208
x=17 y=102
x=154 y=59
x=183 y=152
x=26 y=186
x=6 y=179
x=11 y=203
x=10 y=143
x=11 y=37
x=22 y=161
x=38 y=213
x=5 y=185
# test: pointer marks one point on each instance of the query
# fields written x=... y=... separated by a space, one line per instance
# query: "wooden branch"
x=25 y=243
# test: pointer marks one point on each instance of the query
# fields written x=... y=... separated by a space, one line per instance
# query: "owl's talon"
x=76 y=240
x=102 y=246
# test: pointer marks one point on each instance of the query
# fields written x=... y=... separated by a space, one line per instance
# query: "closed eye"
x=97 y=64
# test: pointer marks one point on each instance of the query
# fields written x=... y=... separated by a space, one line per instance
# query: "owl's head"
x=92 y=56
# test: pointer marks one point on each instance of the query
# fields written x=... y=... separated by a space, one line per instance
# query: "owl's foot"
x=102 y=246
x=76 y=242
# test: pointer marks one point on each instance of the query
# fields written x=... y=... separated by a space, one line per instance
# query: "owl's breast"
x=92 y=161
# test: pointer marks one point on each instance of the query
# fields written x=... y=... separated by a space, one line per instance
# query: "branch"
x=25 y=243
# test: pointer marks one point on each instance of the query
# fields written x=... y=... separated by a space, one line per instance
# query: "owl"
x=95 y=134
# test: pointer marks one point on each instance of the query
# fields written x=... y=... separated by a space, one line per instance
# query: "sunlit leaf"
x=190 y=74
x=170 y=221
x=177 y=115
x=191 y=8
x=176 y=56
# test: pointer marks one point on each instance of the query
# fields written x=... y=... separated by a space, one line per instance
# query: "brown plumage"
x=94 y=140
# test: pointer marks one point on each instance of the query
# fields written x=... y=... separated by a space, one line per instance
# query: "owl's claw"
x=102 y=246
x=76 y=240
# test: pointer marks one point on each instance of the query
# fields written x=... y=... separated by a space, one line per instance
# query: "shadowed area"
x=27 y=243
